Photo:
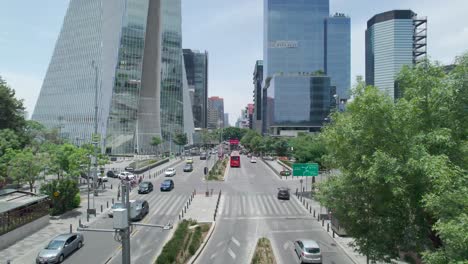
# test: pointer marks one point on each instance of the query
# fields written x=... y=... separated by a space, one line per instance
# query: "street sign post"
x=305 y=169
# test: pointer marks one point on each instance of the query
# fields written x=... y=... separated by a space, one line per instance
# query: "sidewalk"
x=26 y=250
x=202 y=208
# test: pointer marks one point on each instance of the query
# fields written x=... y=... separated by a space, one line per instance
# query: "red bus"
x=235 y=159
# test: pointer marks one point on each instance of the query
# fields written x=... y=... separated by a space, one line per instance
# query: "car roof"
x=283 y=188
x=169 y=168
x=309 y=243
x=63 y=237
x=167 y=180
x=145 y=182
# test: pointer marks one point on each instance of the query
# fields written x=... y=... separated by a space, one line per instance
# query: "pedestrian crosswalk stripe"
x=242 y=205
x=275 y=205
x=161 y=203
x=179 y=202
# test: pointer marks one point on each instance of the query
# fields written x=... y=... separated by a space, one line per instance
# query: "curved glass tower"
x=129 y=54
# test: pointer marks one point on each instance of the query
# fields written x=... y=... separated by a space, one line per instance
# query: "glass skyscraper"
x=305 y=50
x=393 y=39
x=114 y=47
x=196 y=66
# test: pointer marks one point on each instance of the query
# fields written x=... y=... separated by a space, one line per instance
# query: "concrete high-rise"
x=215 y=112
x=109 y=56
x=196 y=66
x=257 y=98
x=393 y=39
x=306 y=64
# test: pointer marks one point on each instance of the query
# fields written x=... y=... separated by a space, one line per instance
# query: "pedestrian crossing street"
x=260 y=204
x=162 y=204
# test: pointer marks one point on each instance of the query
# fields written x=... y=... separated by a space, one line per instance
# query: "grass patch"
x=263 y=252
x=142 y=163
x=217 y=172
x=186 y=240
x=287 y=162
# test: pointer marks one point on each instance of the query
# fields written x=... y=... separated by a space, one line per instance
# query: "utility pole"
x=125 y=233
x=95 y=136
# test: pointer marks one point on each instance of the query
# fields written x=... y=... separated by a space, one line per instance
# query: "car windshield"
x=144 y=185
x=117 y=205
x=312 y=250
x=55 y=244
x=166 y=182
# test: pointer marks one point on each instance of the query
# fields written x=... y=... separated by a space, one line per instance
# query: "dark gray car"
x=60 y=247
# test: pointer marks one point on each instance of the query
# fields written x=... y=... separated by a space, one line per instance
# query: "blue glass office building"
x=304 y=48
x=393 y=39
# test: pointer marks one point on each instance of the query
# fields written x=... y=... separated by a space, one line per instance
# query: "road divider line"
x=235 y=241
x=231 y=253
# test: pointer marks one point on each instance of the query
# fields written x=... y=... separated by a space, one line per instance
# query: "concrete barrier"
x=23 y=231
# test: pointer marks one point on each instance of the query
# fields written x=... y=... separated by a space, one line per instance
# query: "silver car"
x=308 y=251
x=60 y=247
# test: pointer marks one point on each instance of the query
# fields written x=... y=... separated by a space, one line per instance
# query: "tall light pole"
x=95 y=138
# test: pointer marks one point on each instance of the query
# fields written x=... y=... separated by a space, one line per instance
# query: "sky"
x=231 y=32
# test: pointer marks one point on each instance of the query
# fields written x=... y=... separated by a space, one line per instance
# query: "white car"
x=253 y=160
x=126 y=175
x=103 y=177
x=170 y=172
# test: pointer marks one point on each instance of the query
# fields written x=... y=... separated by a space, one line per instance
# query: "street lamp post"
x=95 y=139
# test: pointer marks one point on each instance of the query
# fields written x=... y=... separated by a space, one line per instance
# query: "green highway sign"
x=305 y=169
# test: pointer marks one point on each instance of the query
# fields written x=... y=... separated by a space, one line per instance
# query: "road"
x=251 y=210
x=145 y=241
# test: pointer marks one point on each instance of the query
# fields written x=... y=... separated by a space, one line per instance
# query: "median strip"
x=187 y=238
x=263 y=252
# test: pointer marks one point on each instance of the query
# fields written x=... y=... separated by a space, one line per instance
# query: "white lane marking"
x=286 y=245
x=261 y=206
x=264 y=205
x=233 y=255
x=275 y=205
x=235 y=241
x=226 y=203
x=175 y=205
x=244 y=205
x=251 y=210
x=219 y=244
x=212 y=256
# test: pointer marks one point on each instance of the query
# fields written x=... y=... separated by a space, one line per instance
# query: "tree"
x=8 y=139
x=233 y=133
x=398 y=160
x=308 y=148
x=62 y=194
x=282 y=147
x=25 y=167
x=11 y=109
x=247 y=138
x=180 y=139
x=156 y=141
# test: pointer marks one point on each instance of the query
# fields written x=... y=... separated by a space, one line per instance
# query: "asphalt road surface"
x=250 y=210
x=145 y=241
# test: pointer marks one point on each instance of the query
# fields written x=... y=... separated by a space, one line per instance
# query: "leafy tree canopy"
x=402 y=185
x=11 y=109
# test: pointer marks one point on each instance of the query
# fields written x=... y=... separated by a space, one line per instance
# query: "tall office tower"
x=226 y=120
x=250 y=114
x=108 y=57
x=393 y=39
x=196 y=66
x=306 y=64
x=257 y=81
x=215 y=112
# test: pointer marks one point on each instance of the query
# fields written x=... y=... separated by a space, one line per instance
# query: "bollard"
x=310 y=210
x=107 y=204
x=79 y=222
x=112 y=200
x=71 y=229
x=101 y=208
x=333 y=233
x=323 y=222
x=328 y=227
x=296 y=191
x=111 y=186
x=314 y=212
x=179 y=216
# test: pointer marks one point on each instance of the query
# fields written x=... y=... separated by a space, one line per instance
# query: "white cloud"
x=26 y=86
